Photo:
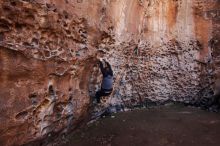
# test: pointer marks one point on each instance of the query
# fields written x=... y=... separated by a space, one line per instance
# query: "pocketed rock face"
x=164 y=50
x=159 y=50
x=45 y=67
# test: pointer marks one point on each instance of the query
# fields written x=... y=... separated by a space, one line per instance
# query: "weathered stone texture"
x=159 y=50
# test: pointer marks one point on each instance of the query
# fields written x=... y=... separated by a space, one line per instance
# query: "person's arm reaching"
x=109 y=66
x=101 y=67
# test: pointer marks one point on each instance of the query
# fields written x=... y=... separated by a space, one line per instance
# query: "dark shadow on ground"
x=172 y=125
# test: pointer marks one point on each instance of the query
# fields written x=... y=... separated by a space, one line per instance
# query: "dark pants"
x=101 y=93
x=216 y=100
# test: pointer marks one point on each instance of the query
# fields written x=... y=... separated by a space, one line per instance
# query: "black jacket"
x=107 y=81
x=105 y=72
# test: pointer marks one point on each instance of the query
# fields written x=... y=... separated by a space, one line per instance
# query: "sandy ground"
x=163 y=126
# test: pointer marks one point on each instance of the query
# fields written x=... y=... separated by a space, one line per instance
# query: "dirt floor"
x=163 y=126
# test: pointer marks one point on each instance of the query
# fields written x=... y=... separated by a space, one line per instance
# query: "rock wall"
x=159 y=50
x=163 y=50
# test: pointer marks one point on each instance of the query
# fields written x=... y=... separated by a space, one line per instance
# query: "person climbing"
x=107 y=81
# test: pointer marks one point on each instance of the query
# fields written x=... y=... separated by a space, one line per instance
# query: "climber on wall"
x=107 y=81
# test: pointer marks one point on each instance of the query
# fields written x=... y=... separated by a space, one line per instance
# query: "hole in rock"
x=47 y=53
x=13 y=3
x=4 y=26
x=19 y=26
x=2 y=37
x=21 y=115
x=35 y=41
x=51 y=90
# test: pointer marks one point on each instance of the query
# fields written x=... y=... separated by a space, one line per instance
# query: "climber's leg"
x=101 y=93
x=98 y=95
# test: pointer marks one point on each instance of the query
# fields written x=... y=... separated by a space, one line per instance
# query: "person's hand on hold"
x=100 y=61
